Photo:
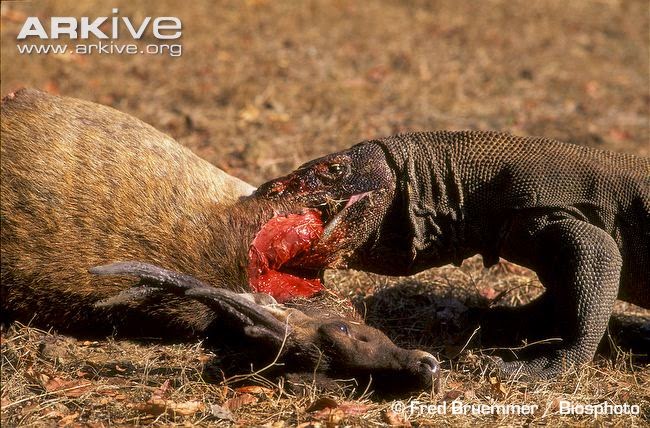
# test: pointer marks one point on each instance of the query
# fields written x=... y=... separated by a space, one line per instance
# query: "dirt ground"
x=262 y=86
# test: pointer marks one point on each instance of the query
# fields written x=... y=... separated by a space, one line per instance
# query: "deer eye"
x=342 y=328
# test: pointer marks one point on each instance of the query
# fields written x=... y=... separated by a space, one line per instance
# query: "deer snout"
x=429 y=364
x=424 y=370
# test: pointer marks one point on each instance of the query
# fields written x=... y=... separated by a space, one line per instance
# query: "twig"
x=46 y=394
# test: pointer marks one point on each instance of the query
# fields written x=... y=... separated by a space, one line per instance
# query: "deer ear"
x=265 y=335
x=242 y=309
x=130 y=295
x=150 y=275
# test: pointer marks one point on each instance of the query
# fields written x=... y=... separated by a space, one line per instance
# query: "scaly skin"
x=578 y=217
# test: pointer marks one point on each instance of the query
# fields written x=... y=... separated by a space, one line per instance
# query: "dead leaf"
x=249 y=114
x=327 y=409
x=425 y=72
x=162 y=391
x=619 y=135
x=111 y=397
x=29 y=408
x=204 y=358
x=497 y=388
x=452 y=395
x=55 y=410
x=331 y=416
x=257 y=3
x=51 y=86
x=454 y=384
x=120 y=369
x=469 y=394
x=310 y=424
x=488 y=292
x=157 y=406
x=51 y=384
x=592 y=88
x=351 y=408
x=224 y=56
x=220 y=412
x=68 y=388
x=393 y=419
x=56 y=414
x=187 y=408
x=34 y=377
x=278 y=117
x=377 y=74
x=555 y=405
x=254 y=389
x=354 y=83
x=53 y=350
x=504 y=266
x=239 y=400
x=68 y=419
x=322 y=403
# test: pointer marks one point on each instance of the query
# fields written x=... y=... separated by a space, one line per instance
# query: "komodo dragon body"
x=578 y=217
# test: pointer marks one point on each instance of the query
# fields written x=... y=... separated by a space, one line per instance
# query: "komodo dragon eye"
x=335 y=169
x=331 y=169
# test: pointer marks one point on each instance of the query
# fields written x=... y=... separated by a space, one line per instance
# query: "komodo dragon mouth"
x=289 y=253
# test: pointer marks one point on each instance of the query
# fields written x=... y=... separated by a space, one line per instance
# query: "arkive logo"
x=162 y=28
x=104 y=35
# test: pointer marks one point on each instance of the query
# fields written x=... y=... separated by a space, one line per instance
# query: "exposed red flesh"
x=281 y=240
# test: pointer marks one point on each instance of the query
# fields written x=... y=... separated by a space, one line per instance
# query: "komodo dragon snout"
x=354 y=191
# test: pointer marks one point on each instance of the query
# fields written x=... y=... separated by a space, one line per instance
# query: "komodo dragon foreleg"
x=580 y=265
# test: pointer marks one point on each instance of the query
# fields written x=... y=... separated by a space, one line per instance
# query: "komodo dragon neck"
x=435 y=208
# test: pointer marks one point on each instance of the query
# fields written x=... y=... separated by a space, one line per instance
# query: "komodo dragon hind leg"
x=580 y=265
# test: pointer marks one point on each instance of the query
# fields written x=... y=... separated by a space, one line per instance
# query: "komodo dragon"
x=579 y=217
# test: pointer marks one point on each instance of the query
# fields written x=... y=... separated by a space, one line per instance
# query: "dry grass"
x=263 y=86
x=53 y=379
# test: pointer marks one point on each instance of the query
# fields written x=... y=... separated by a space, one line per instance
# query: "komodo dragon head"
x=355 y=190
